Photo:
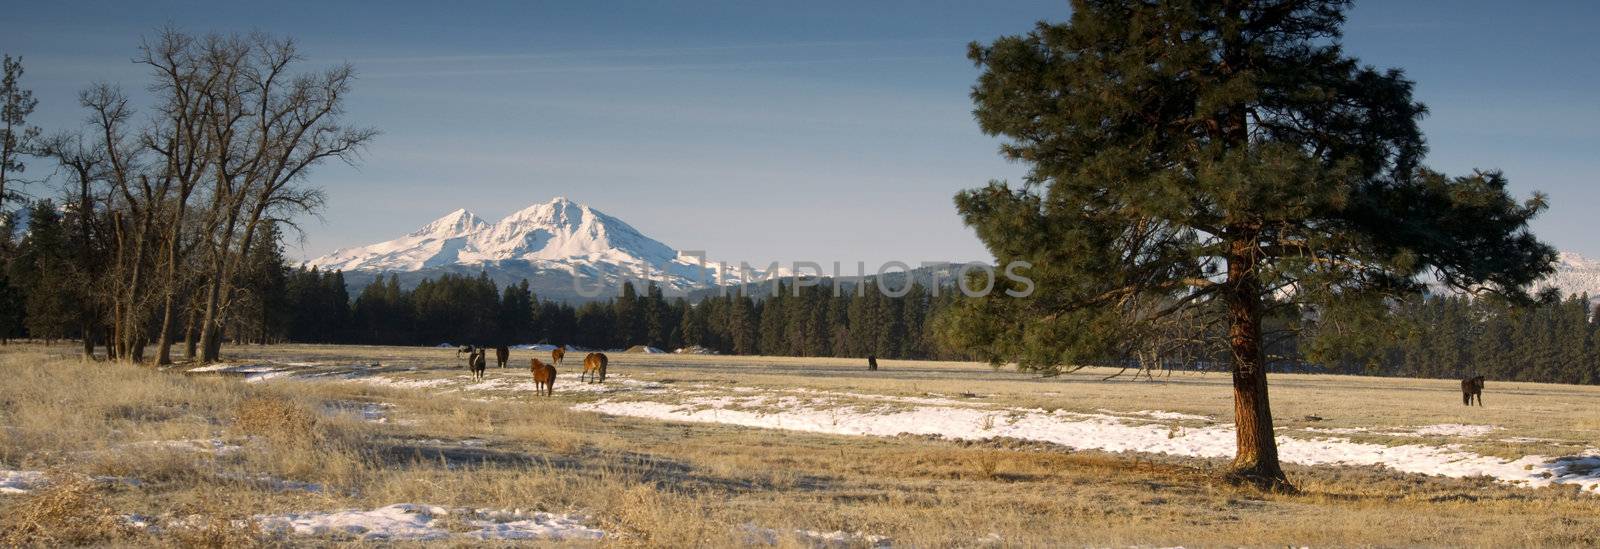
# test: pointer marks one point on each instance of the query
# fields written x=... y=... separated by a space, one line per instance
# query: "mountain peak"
x=456 y=223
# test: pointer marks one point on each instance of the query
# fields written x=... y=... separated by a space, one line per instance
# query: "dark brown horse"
x=502 y=354
x=477 y=364
x=1472 y=387
x=557 y=354
x=544 y=378
x=594 y=366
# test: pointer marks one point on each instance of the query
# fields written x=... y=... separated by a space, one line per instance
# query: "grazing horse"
x=544 y=378
x=1470 y=387
x=477 y=363
x=502 y=354
x=594 y=366
x=557 y=354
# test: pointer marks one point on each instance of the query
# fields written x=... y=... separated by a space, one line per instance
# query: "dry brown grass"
x=662 y=484
x=69 y=511
x=209 y=522
x=276 y=419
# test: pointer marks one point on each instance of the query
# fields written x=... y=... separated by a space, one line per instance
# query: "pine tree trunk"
x=1257 y=459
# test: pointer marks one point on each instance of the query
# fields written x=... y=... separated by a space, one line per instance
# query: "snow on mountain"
x=437 y=243
x=1575 y=274
x=557 y=239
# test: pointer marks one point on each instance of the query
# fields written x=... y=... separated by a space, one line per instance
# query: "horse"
x=477 y=363
x=872 y=363
x=557 y=354
x=544 y=378
x=1470 y=387
x=502 y=354
x=594 y=366
x=469 y=350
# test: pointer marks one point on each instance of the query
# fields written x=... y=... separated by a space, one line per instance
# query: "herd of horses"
x=594 y=370
x=544 y=374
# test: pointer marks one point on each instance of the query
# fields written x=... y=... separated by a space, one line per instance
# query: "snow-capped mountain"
x=550 y=244
x=1575 y=274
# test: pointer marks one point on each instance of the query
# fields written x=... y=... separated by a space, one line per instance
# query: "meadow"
x=349 y=445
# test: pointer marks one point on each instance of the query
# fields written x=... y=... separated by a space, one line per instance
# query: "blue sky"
x=759 y=131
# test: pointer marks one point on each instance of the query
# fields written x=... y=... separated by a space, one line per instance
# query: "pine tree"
x=1188 y=154
x=655 y=314
x=42 y=270
x=517 y=313
x=743 y=329
x=626 y=314
x=16 y=104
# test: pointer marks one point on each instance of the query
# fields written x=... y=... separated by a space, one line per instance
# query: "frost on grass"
x=1106 y=432
x=416 y=522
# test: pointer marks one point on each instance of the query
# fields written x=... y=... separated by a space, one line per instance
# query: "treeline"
x=313 y=307
x=166 y=207
x=1452 y=337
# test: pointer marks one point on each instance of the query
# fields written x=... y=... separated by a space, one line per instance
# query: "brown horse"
x=1472 y=387
x=476 y=363
x=502 y=354
x=594 y=366
x=557 y=354
x=544 y=378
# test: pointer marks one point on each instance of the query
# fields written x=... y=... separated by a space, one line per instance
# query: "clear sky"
x=814 y=131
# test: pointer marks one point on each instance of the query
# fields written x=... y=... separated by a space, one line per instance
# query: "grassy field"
x=273 y=446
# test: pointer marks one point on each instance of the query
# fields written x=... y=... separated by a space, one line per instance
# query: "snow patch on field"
x=254 y=368
x=1158 y=414
x=20 y=482
x=1448 y=429
x=263 y=376
x=416 y=522
x=813 y=538
x=385 y=381
x=209 y=445
x=1105 y=432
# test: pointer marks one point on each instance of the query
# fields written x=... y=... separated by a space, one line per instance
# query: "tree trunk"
x=1257 y=460
x=136 y=349
x=88 y=341
x=164 y=341
x=189 y=334
x=209 y=344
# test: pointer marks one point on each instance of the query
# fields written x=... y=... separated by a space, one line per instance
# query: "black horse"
x=1470 y=387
